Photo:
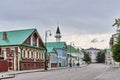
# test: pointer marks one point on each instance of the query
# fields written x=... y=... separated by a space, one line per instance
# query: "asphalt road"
x=90 y=72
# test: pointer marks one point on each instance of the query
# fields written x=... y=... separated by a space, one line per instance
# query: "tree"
x=116 y=49
x=86 y=57
x=101 y=56
x=116 y=46
x=117 y=23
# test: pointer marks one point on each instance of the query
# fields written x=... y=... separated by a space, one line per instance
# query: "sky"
x=86 y=23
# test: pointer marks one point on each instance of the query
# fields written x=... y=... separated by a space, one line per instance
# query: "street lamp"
x=70 y=54
x=78 y=64
x=46 y=35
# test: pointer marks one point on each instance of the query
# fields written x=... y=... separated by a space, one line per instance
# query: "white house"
x=74 y=55
x=93 y=53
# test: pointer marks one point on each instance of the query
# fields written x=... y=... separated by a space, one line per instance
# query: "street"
x=89 y=72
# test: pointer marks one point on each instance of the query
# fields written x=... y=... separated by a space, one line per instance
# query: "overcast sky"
x=87 y=23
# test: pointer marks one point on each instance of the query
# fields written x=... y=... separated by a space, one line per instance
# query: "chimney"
x=4 y=35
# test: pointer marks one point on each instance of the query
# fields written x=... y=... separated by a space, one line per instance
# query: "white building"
x=74 y=55
x=93 y=53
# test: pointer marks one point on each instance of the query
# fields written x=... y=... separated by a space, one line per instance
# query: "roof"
x=55 y=44
x=72 y=49
x=49 y=49
x=58 y=30
x=15 y=37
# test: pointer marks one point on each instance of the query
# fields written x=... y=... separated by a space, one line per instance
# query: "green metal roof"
x=72 y=49
x=49 y=49
x=56 y=44
x=15 y=37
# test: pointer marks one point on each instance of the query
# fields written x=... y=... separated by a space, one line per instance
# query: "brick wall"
x=3 y=66
x=32 y=65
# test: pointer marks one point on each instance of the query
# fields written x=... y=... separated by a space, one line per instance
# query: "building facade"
x=53 y=55
x=61 y=49
x=74 y=55
x=108 y=56
x=93 y=54
x=22 y=49
x=112 y=42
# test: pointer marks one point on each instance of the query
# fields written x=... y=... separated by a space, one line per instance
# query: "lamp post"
x=70 y=54
x=78 y=64
x=46 y=35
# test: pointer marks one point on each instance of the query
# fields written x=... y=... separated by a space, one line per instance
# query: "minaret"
x=58 y=35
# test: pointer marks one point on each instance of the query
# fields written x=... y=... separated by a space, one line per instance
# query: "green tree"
x=117 y=23
x=116 y=46
x=86 y=57
x=101 y=56
x=116 y=49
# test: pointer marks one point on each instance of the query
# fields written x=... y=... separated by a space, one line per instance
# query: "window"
x=8 y=50
x=23 y=53
x=34 y=40
x=2 y=53
x=31 y=54
x=41 y=55
x=12 y=51
x=37 y=55
x=16 y=49
x=28 y=54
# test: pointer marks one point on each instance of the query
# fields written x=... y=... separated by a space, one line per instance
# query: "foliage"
x=86 y=57
x=101 y=56
x=117 y=23
x=116 y=48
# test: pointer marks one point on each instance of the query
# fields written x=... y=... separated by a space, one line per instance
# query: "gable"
x=36 y=38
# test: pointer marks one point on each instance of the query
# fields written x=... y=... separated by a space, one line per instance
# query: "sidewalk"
x=12 y=74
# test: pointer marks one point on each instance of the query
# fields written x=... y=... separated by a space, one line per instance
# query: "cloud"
x=84 y=41
x=81 y=21
x=80 y=16
x=102 y=40
x=94 y=40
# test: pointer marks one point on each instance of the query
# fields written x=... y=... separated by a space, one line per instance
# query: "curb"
x=12 y=75
x=8 y=76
